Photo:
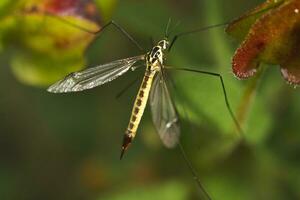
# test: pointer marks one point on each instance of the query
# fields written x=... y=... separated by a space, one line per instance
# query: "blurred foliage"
x=106 y=8
x=271 y=33
x=67 y=146
x=38 y=40
x=166 y=191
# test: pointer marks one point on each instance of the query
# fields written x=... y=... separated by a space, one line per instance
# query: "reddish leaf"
x=240 y=27
x=273 y=38
x=84 y=8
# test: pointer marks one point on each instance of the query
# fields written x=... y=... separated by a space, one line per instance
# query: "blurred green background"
x=67 y=146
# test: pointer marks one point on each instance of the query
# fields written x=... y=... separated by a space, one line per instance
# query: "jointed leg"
x=185 y=157
x=193 y=171
x=122 y=30
x=175 y=38
x=126 y=88
x=241 y=134
x=198 y=30
x=182 y=151
x=97 y=33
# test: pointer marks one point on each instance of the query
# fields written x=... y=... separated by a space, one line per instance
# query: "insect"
x=153 y=87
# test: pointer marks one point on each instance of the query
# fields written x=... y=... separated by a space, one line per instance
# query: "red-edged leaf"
x=273 y=38
x=83 y=8
x=240 y=27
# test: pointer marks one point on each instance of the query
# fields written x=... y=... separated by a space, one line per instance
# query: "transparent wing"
x=164 y=114
x=92 y=77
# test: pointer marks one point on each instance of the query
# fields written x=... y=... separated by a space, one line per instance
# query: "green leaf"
x=106 y=7
x=44 y=48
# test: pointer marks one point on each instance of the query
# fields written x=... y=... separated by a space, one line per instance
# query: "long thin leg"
x=129 y=85
x=194 y=173
x=175 y=38
x=240 y=130
x=126 y=88
x=214 y=26
x=97 y=33
x=182 y=151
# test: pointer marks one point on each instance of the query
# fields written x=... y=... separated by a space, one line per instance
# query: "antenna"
x=168 y=27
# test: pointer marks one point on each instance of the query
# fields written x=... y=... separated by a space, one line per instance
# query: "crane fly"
x=153 y=87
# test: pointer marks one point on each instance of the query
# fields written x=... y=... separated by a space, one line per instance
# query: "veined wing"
x=92 y=77
x=164 y=114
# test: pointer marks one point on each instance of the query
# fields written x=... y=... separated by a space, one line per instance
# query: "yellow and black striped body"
x=154 y=60
x=138 y=108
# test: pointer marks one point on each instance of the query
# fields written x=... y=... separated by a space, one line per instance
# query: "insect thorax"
x=155 y=57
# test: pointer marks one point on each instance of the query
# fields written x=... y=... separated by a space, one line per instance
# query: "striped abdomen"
x=138 y=109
